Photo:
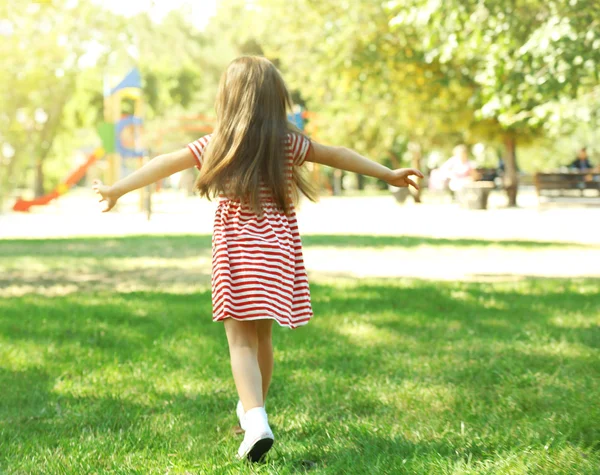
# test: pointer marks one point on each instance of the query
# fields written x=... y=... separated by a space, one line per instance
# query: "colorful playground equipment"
x=120 y=134
x=71 y=179
x=122 y=130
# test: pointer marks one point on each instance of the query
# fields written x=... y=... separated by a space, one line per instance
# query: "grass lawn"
x=392 y=376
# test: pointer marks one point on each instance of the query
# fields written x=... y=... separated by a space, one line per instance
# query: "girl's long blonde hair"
x=247 y=147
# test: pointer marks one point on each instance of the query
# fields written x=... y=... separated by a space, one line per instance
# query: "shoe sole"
x=259 y=449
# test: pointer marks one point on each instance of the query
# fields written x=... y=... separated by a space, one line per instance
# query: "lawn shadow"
x=468 y=355
x=68 y=429
x=371 y=452
x=119 y=326
x=194 y=245
x=368 y=240
x=449 y=311
x=381 y=360
x=119 y=374
x=165 y=246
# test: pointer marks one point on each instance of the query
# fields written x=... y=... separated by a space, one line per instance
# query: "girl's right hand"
x=106 y=194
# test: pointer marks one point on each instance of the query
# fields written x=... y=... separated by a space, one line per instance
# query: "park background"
x=445 y=339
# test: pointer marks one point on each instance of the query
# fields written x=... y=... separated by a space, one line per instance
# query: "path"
x=379 y=215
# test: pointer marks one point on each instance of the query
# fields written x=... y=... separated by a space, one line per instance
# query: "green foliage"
x=369 y=86
x=55 y=55
x=529 y=54
x=45 y=51
x=376 y=73
x=436 y=72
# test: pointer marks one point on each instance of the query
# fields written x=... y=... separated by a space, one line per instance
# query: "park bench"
x=486 y=174
x=567 y=185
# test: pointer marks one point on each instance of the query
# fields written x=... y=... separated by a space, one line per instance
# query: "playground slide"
x=62 y=188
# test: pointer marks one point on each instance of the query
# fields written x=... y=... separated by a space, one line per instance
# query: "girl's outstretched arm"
x=349 y=160
x=156 y=169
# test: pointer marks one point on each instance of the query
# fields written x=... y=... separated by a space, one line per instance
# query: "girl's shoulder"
x=202 y=142
x=297 y=146
x=289 y=138
x=293 y=139
x=197 y=147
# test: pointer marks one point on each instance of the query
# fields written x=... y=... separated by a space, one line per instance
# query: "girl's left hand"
x=106 y=194
x=401 y=177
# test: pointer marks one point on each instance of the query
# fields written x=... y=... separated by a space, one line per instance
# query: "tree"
x=530 y=56
x=45 y=47
x=55 y=56
x=434 y=71
x=369 y=87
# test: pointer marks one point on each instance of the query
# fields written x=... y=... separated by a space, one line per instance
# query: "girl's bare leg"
x=265 y=354
x=243 y=350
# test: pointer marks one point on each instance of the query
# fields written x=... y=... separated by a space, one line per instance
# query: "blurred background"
x=91 y=88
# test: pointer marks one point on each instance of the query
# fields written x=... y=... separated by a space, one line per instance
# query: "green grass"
x=391 y=376
x=189 y=245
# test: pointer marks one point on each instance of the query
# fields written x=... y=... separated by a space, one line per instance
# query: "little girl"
x=252 y=163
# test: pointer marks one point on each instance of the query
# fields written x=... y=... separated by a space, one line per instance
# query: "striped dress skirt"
x=257 y=270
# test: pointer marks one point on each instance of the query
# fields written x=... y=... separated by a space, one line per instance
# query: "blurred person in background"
x=457 y=171
x=582 y=161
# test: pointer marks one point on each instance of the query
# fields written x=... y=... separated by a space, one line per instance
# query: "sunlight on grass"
x=560 y=348
x=21 y=355
x=575 y=319
x=363 y=334
x=391 y=376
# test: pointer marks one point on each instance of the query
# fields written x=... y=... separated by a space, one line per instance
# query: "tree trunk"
x=360 y=182
x=3 y=192
x=415 y=150
x=511 y=177
x=337 y=182
x=39 y=177
x=7 y=184
x=394 y=159
x=48 y=133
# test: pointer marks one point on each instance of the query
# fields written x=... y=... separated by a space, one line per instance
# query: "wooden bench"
x=486 y=174
x=566 y=185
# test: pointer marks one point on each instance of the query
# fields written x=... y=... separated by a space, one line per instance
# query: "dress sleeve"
x=300 y=146
x=197 y=148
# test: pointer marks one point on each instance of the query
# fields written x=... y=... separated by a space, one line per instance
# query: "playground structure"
x=122 y=130
x=120 y=134
x=72 y=179
x=121 y=137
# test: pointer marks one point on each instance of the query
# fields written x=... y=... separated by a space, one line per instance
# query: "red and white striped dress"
x=257 y=269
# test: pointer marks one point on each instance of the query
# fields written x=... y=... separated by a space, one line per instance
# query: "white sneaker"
x=239 y=410
x=258 y=439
